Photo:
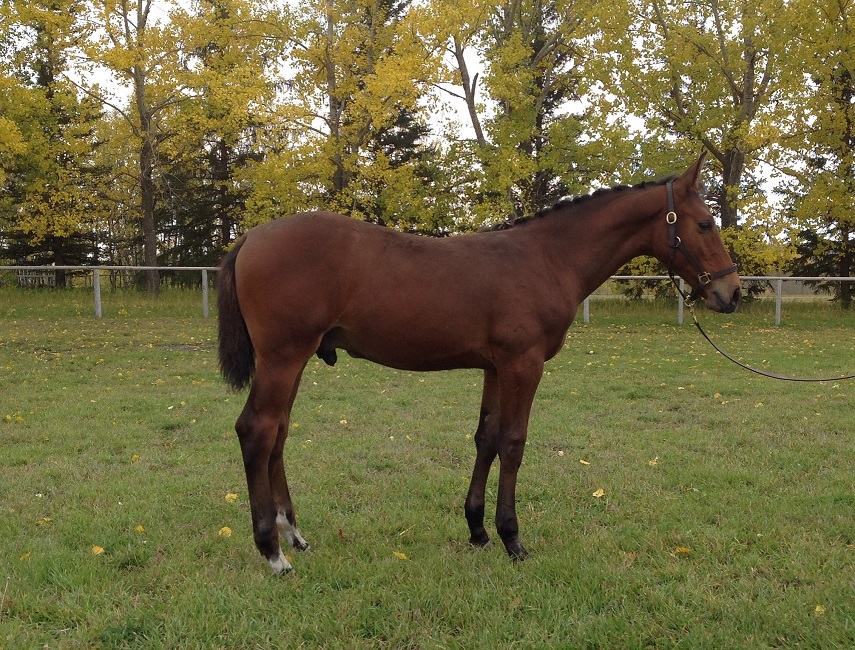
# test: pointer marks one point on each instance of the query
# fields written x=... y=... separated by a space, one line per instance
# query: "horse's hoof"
x=516 y=551
x=280 y=565
x=480 y=541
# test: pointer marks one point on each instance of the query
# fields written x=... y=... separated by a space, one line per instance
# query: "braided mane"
x=573 y=202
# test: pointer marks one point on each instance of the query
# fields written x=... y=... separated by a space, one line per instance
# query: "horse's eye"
x=705 y=226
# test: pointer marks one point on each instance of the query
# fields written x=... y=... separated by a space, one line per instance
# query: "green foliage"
x=213 y=116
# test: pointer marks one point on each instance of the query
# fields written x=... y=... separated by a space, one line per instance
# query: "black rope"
x=739 y=363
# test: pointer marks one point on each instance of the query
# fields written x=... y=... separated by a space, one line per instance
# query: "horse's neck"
x=587 y=248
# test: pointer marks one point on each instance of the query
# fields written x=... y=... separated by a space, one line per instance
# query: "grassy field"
x=726 y=517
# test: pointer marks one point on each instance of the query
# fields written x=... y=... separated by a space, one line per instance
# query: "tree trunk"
x=733 y=167
x=846 y=266
x=152 y=276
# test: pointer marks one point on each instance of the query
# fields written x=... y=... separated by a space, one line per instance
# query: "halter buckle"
x=705 y=278
x=671 y=218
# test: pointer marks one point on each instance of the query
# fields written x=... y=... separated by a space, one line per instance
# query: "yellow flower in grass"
x=231 y=497
x=225 y=531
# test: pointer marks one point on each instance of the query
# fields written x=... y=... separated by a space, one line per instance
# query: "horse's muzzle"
x=725 y=300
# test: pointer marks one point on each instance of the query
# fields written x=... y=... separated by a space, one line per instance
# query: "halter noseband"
x=675 y=244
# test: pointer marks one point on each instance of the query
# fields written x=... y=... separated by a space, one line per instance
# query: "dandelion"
x=225 y=531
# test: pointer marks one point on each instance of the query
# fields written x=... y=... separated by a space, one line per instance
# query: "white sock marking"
x=290 y=533
x=280 y=565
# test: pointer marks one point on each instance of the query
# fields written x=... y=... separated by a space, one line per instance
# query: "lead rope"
x=746 y=366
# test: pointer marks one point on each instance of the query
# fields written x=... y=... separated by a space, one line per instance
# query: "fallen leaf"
x=682 y=550
x=231 y=497
x=140 y=528
x=97 y=550
x=225 y=531
x=399 y=555
x=599 y=493
x=583 y=462
x=819 y=610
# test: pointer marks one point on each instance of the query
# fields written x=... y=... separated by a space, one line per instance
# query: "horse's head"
x=688 y=242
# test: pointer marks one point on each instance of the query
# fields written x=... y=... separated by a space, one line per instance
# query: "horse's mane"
x=574 y=202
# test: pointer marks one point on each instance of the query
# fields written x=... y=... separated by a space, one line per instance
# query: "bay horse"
x=500 y=301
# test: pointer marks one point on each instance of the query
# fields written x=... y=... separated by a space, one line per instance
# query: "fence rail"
x=776 y=281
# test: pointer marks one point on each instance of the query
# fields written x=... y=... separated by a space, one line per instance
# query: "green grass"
x=726 y=520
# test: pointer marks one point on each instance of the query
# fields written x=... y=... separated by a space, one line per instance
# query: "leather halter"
x=676 y=244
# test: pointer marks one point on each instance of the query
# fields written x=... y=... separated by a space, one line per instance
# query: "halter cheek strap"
x=675 y=245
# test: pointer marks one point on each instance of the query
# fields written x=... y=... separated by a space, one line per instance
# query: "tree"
x=145 y=52
x=357 y=73
x=822 y=195
x=215 y=134
x=535 y=138
x=704 y=72
x=51 y=181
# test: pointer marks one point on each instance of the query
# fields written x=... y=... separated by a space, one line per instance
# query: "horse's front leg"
x=485 y=452
x=517 y=387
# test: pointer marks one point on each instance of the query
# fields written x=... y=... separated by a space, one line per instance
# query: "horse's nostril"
x=737 y=296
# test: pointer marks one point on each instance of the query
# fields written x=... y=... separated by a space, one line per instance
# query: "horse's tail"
x=237 y=356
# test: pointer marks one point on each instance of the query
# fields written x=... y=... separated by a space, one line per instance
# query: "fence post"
x=586 y=310
x=96 y=284
x=204 y=293
x=680 y=302
x=779 y=292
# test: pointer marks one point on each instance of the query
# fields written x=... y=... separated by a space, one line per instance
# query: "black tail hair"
x=237 y=356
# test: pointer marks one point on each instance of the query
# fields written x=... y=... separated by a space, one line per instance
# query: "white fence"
x=777 y=283
x=96 y=277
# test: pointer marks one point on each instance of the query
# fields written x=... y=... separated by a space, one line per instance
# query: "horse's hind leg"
x=258 y=430
x=486 y=447
x=285 y=518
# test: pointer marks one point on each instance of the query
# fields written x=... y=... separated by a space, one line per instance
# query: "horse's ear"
x=692 y=175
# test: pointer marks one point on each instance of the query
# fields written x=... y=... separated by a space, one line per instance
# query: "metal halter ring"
x=671 y=218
